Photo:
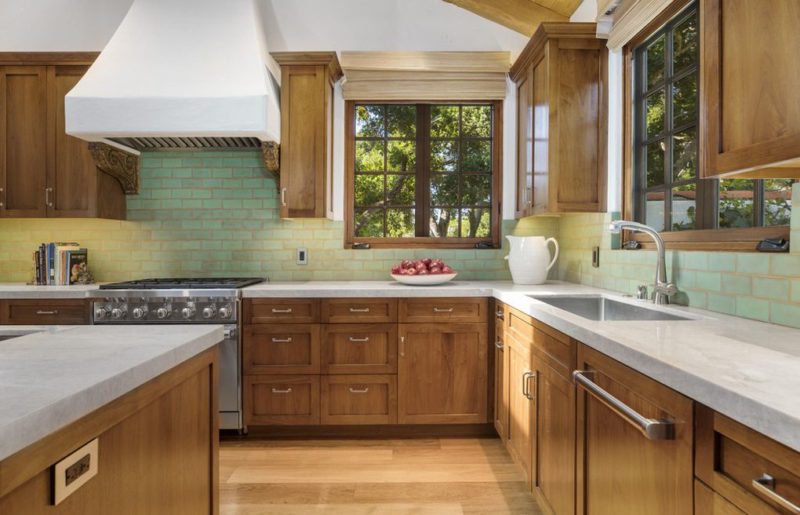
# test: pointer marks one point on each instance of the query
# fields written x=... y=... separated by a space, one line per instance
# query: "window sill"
x=725 y=240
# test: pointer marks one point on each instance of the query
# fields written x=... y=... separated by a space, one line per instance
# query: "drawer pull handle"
x=498 y=344
x=359 y=310
x=442 y=310
x=278 y=390
x=652 y=429
x=47 y=312
x=499 y=314
x=765 y=485
x=282 y=340
x=276 y=310
x=359 y=340
x=526 y=385
x=355 y=390
x=402 y=346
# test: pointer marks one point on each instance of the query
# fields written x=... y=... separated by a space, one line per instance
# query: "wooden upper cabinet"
x=43 y=171
x=748 y=88
x=23 y=140
x=562 y=121
x=307 y=80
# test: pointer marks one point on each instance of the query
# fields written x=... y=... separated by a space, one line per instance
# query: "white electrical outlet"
x=302 y=256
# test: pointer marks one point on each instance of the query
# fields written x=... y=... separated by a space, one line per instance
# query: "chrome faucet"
x=662 y=289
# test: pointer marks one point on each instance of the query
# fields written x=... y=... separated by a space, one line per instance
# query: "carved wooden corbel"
x=121 y=165
x=270 y=152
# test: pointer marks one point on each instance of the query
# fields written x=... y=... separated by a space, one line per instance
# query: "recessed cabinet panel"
x=281 y=400
x=281 y=349
x=359 y=399
x=359 y=349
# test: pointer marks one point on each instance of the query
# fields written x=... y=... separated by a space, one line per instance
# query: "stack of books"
x=60 y=263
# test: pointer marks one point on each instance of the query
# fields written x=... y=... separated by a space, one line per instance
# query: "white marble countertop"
x=29 y=291
x=51 y=378
x=747 y=370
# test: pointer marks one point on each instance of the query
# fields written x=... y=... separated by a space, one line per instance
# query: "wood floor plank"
x=414 y=476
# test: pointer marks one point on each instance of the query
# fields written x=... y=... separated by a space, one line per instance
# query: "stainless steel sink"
x=601 y=308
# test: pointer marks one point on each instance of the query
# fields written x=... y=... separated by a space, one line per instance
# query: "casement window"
x=423 y=174
x=667 y=192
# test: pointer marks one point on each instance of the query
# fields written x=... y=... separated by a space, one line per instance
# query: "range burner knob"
x=119 y=313
x=163 y=312
x=139 y=313
x=100 y=313
x=187 y=312
x=225 y=312
x=209 y=312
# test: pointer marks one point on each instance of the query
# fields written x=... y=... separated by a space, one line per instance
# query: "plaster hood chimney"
x=180 y=74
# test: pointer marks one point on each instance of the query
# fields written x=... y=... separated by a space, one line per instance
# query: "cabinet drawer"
x=557 y=349
x=359 y=349
x=707 y=502
x=342 y=311
x=286 y=311
x=281 y=349
x=733 y=460
x=427 y=310
x=359 y=399
x=281 y=400
x=37 y=312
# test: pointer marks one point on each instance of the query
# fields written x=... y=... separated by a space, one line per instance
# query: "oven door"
x=230 y=380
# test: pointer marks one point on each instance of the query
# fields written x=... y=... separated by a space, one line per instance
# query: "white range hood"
x=180 y=73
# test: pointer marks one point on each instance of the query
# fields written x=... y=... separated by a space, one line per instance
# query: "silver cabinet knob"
x=209 y=312
x=187 y=312
x=225 y=312
x=162 y=313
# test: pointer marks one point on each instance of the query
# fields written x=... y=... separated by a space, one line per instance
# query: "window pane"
x=684 y=46
x=477 y=156
x=401 y=155
x=684 y=207
x=475 y=223
x=654 y=114
x=401 y=121
x=684 y=100
x=369 y=121
x=777 y=201
x=399 y=223
x=736 y=203
x=369 y=156
x=444 y=223
x=655 y=61
x=476 y=121
x=684 y=155
x=368 y=190
x=654 y=210
x=400 y=190
x=444 y=156
x=368 y=223
x=476 y=190
x=655 y=164
x=444 y=121
x=444 y=190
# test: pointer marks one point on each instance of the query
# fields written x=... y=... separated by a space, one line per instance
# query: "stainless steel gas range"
x=187 y=301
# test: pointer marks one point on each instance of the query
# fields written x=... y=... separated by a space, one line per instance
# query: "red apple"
x=406 y=263
x=447 y=270
x=423 y=272
x=396 y=269
x=435 y=270
x=411 y=271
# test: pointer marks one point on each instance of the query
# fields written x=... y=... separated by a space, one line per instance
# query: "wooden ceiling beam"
x=523 y=16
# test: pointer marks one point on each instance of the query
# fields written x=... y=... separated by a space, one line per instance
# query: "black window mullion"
x=423 y=175
x=759 y=203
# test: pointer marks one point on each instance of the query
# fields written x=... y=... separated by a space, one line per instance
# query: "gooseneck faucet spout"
x=663 y=289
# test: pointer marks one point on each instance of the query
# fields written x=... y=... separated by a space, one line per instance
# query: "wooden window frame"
x=425 y=242
x=739 y=239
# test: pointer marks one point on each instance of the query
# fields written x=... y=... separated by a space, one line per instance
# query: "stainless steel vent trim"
x=187 y=143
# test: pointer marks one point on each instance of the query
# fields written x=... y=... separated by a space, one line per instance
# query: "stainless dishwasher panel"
x=230 y=379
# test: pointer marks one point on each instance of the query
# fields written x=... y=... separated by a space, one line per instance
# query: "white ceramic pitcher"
x=529 y=258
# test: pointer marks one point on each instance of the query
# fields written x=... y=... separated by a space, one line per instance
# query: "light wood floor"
x=437 y=476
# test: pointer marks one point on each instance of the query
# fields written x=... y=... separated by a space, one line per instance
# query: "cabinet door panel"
x=620 y=470
x=23 y=140
x=281 y=349
x=72 y=173
x=524 y=197
x=359 y=399
x=442 y=374
x=521 y=439
x=359 y=349
x=281 y=400
x=542 y=174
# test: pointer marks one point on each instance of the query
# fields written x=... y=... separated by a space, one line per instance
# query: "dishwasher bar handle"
x=652 y=429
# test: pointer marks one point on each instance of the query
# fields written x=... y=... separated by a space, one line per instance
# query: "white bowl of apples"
x=423 y=272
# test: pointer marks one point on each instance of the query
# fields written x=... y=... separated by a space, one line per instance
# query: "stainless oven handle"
x=652 y=429
x=765 y=485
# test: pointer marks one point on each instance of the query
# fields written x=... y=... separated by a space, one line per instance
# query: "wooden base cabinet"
x=501 y=373
x=443 y=373
x=621 y=468
x=521 y=411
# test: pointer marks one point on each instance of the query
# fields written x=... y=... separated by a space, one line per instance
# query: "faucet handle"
x=641 y=292
x=668 y=289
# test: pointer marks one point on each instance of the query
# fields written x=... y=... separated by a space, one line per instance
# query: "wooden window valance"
x=425 y=76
